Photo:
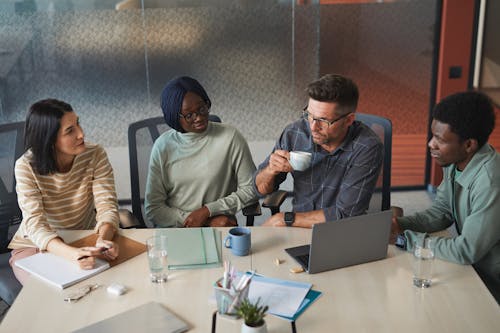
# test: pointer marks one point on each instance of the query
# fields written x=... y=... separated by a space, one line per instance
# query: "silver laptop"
x=345 y=242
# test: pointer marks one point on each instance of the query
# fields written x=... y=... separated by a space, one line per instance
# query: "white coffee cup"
x=300 y=160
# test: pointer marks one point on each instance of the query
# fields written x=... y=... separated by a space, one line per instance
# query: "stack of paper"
x=190 y=248
x=58 y=271
x=286 y=299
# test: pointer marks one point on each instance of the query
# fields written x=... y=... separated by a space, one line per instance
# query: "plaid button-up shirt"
x=341 y=182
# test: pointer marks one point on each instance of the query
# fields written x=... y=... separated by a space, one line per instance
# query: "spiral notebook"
x=63 y=273
x=58 y=271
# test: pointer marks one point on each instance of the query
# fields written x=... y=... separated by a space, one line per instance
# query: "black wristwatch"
x=401 y=242
x=289 y=218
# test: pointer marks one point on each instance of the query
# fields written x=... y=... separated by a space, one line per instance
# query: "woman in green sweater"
x=200 y=173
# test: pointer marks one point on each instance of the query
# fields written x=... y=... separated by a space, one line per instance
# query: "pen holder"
x=229 y=299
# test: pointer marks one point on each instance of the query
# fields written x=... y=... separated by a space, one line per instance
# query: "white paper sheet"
x=283 y=297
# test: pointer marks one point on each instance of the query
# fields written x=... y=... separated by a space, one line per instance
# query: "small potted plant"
x=253 y=316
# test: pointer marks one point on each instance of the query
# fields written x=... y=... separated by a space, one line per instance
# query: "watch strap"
x=401 y=242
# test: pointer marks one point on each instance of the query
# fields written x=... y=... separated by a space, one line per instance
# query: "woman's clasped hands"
x=104 y=249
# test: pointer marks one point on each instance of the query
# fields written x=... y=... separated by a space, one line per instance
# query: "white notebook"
x=151 y=317
x=58 y=271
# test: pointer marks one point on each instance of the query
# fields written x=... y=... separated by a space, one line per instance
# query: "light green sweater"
x=189 y=170
x=473 y=201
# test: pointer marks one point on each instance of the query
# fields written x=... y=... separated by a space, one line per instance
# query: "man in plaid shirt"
x=346 y=158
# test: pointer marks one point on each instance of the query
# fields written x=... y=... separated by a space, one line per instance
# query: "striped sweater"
x=82 y=198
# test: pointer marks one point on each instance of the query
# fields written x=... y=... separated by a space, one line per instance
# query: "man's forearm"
x=307 y=219
x=264 y=181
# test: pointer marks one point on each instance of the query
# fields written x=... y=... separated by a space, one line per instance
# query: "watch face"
x=289 y=218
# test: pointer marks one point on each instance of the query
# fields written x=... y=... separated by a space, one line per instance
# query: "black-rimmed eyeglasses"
x=203 y=111
x=323 y=122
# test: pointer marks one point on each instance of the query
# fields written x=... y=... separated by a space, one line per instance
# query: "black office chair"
x=141 y=136
x=383 y=128
x=381 y=198
x=11 y=148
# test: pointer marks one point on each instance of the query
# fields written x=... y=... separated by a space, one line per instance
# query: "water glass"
x=423 y=258
x=157 y=257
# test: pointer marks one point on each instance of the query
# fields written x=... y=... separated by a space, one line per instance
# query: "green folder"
x=191 y=248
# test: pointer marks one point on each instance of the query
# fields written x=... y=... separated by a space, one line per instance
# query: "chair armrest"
x=274 y=200
x=252 y=210
x=128 y=220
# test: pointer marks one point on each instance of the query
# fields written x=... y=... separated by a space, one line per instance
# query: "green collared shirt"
x=472 y=201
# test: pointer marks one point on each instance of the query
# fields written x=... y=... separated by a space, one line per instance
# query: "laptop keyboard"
x=303 y=259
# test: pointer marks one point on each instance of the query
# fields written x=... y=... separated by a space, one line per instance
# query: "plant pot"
x=249 y=329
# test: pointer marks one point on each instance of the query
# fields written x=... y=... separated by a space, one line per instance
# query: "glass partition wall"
x=388 y=49
x=487 y=75
x=111 y=65
x=487 y=66
x=111 y=59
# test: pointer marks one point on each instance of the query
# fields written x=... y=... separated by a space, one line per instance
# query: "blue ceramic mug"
x=239 y=241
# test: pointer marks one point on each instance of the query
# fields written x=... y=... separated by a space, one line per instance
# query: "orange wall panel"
x=494 y=139
x=457 y=25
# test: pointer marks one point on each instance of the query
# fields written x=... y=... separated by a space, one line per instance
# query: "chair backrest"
x=141 y=137
x=9 y=286
x=383 y=128
x=128 y=4
x=11 y=148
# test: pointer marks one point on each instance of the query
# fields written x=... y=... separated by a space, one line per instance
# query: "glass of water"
x=157 y=257
x=423 y=258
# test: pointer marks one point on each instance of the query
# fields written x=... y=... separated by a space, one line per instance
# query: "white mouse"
x=116 y=289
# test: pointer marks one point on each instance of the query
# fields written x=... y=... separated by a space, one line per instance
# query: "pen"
x=245 y=280
x=226 y=281
x=242 y=284
x=102 y=249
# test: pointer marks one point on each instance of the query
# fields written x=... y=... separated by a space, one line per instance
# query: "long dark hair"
x=42 y=124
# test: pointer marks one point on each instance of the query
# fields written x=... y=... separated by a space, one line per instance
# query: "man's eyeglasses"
x=203 y=111
x=321 y=121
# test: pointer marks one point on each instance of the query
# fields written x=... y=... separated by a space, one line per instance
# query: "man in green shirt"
x=468 y=196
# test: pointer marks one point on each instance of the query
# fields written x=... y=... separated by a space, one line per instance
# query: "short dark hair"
x=469 y=114
x=172 y=97
x=335 y=88
x=42 y=124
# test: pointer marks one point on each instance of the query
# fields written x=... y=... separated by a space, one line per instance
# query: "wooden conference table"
x=373 y=297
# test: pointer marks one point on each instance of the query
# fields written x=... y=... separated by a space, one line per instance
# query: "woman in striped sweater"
x=62 y=183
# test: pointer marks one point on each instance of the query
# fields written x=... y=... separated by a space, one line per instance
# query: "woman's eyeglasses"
x=203 y=111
